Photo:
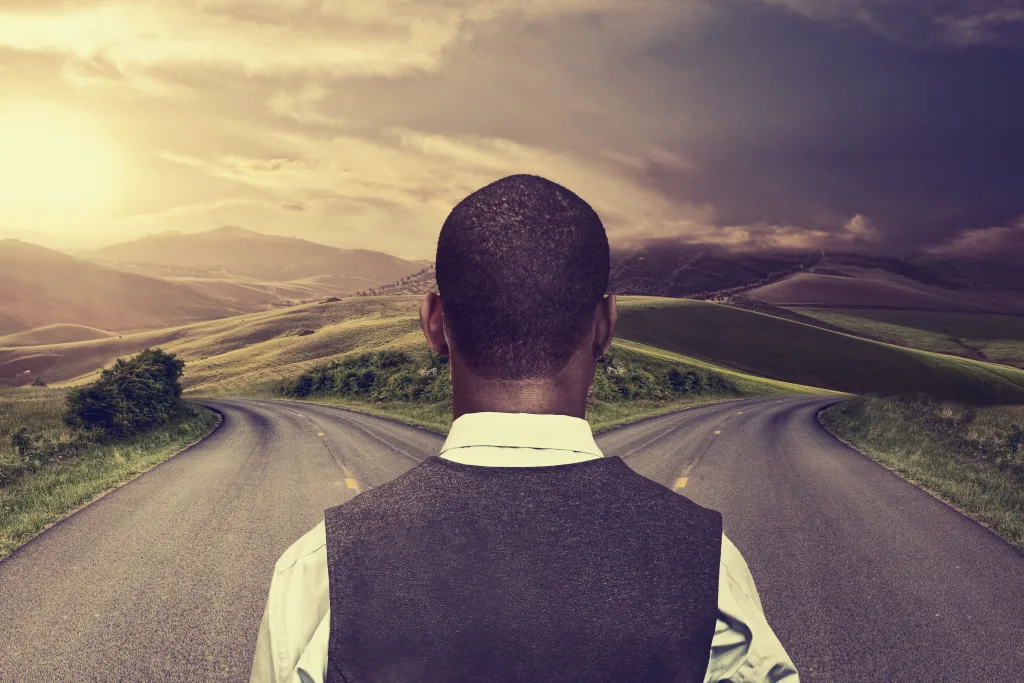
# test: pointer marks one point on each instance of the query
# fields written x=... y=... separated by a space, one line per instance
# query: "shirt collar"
x=522 y=430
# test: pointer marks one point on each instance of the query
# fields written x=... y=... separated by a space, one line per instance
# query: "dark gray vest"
x=570 y=573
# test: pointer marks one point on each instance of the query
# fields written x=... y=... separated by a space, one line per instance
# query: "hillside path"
x=863 y=576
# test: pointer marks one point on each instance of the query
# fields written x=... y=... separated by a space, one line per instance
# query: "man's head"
x=522 y=268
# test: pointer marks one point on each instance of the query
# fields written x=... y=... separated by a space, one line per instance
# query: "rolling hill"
x=234 y=351
x=862 y=282
x=983 y=336
x=244 y=353
x=40 y=287
x=9 y=325
x=673 y=269
x=231 y=252
x=796 y=278
x=54 y=334
x=249 y=355
x=767 y=346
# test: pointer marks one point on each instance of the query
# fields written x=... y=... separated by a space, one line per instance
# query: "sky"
x=890 y=126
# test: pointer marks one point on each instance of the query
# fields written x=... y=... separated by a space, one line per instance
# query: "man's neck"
x=522 y=396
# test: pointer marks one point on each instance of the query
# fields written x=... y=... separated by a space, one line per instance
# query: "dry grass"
x=946 y=463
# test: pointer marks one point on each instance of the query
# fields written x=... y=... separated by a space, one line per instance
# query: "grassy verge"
x=604 y=416
x=972 y=459
x=36 y=501
x=434 y=417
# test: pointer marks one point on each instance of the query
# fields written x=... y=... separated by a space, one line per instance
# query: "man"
x=521 y=552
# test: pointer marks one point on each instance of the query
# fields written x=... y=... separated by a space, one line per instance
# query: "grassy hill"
x=9 y=325
x=666 y=267
x=232 y=252
x=40 y=286
x=231 y=352
x=983 y=336
x=867 y=283
x=54 y=334
x=254 y=352
x=781 y=349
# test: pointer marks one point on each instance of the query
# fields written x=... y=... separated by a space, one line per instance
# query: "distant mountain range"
x=798 y=278
x=234 y=252
x=40 y=286
x=171 y=278
x=816 y=278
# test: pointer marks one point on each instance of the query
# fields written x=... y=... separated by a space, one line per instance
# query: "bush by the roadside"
x=29 y=503
x=379 y=376
x=35 y=449
x=393 y=376
x=132 y=396
x=622 y=375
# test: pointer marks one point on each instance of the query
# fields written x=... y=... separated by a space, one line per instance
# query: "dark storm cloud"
x=802 y=122
x=784 y=119
x=923 y=22
x=875 y=124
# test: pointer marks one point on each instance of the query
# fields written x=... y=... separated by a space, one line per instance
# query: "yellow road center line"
x=351 y=483
x=681 y=482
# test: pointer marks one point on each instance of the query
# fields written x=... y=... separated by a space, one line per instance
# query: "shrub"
x=957 y=427
x=33 y=450
x=394 y=376
x=38 y=382
x=132 y=396
x=27 y=447
x=623 y=377
x=386 y=375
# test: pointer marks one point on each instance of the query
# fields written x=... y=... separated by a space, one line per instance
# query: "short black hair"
x=521 y=265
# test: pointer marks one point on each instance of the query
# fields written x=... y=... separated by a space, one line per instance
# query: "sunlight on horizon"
x=55 y=164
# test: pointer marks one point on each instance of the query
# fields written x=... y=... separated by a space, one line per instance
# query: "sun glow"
x=54 y=164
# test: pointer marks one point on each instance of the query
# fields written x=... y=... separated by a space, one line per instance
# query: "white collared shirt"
x=292 y=642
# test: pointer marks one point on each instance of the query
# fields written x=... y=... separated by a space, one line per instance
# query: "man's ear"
x=604 y=325
x=432 y=322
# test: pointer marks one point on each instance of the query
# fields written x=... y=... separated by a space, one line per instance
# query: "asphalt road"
x=863 y=576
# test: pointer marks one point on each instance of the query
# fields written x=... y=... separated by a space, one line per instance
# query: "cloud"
x=123 y=40
x=958 y=22
x=859 y=229
x=422 y=176
x=1004 y=242
x=735 y=122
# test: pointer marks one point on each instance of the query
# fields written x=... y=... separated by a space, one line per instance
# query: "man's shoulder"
x=663 y=495
x=305 y=549
x=378 y=500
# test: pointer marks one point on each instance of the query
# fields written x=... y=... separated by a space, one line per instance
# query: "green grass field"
x=766 y=346
x=231 y=352
x=37 y=500
x=985 y=336
x=962 y=459
x=248 y=355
